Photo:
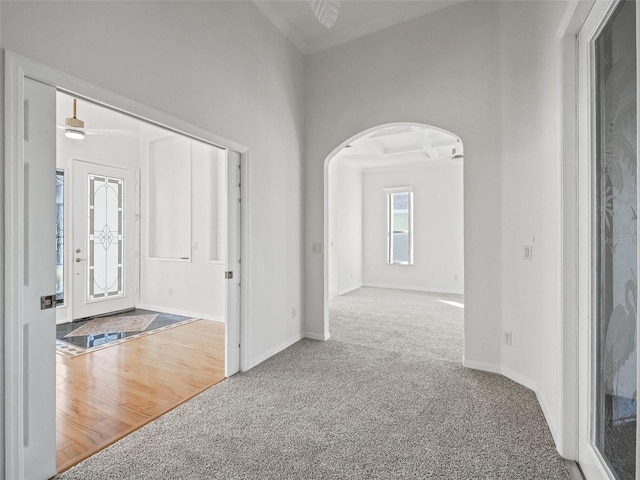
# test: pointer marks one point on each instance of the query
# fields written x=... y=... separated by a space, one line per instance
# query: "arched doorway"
x=404 y=164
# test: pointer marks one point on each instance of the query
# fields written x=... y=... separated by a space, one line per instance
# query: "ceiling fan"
x=326 y=11
x=74 y=128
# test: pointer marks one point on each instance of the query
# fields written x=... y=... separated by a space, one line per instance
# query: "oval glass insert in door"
x=105 y=237
x=616 y=242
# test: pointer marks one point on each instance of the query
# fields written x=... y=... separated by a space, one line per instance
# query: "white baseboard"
x=525 y=382
x=271 y=352
x=184 y=313
x=413 y=289
x=316 y=336
x=344 y=291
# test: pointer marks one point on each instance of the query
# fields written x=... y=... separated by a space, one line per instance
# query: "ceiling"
x=356 y=18
x=401 y=145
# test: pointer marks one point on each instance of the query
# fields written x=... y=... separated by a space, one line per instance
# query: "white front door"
x=39 y=282
x=104 y=239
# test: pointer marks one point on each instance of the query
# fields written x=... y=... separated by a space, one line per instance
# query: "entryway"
x=139 y=205
x=101 y=194
x=394 y=203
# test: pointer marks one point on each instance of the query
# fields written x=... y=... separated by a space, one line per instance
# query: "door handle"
x=78 y=259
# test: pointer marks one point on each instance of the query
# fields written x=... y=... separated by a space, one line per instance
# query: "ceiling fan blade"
x=110 y=131
x=116 y=132
x=326 y=11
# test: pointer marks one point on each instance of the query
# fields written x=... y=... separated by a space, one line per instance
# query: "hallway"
x=386 y=397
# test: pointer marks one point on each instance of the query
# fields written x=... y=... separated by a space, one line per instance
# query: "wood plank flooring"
x=105 y=395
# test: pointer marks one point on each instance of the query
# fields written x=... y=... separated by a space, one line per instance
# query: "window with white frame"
x=399 y=225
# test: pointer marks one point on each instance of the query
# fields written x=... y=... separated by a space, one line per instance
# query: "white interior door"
x=232 y=330
x=104 y=239
x=39 y=274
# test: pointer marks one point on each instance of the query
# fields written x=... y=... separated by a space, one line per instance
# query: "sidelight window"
x=616 y=242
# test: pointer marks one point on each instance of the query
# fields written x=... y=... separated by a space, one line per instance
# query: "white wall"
x=438 y=246
x=223 y=67
x=169 y=194
x=530 y=178
x=439 y=70
x=194 y=287
x=489 y=73
x=345 y=229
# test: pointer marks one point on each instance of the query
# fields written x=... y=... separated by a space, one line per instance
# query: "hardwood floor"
x=105 y=395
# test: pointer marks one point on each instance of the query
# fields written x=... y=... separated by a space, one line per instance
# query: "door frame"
x=17 y=68
x=583 y=18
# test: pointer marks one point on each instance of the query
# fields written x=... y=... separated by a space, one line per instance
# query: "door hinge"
x=228 y=275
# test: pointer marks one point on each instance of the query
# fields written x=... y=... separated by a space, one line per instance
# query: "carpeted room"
x=385 y=397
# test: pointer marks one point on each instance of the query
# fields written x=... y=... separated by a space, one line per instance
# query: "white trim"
x=414 y=289
x=315 y=336
x=181 y=312
x=14 y=255
x=231 y=217
x=418 y=164
x=177 y=260
x=245 y=255
x=568 y=172
x=17 y=67
x=521 y=380
x=275 y=350
x=567 y=24
x=408 y=188
x=344 y=291
x=592 y=22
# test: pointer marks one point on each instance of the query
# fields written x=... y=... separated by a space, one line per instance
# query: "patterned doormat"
x=130 y=323
x=106 y=332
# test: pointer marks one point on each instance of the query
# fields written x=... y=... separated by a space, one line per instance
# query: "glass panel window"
x=616 y=242
x=105 y=275
x=59 y=237
x=400 y=227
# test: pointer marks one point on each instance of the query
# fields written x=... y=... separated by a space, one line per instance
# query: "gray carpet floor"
x=385 y=398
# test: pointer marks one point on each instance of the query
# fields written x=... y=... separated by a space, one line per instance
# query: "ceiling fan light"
x=74 y=125
x=74 y=134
